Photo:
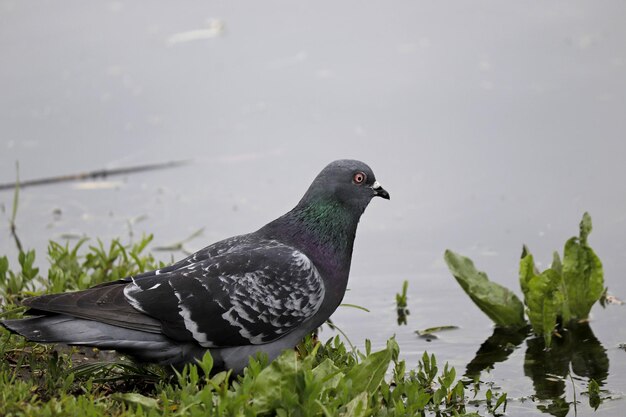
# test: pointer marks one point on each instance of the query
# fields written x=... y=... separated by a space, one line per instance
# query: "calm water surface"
x=491 y=125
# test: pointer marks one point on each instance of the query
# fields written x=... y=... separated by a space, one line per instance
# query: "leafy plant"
x=500 y=400
x=402 y=309
x=12 y=284
x=72 y=270
x=563 y=293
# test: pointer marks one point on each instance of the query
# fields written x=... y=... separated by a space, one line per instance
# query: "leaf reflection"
x=496 y=348
x=577 y=351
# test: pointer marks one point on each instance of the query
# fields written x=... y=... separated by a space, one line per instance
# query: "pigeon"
x=259 y=292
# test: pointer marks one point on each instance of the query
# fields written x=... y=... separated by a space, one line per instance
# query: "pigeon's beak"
x=379 y=191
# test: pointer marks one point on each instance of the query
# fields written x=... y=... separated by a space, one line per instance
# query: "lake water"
x=492 y=124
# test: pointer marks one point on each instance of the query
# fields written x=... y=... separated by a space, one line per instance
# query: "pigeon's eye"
x=359 y=178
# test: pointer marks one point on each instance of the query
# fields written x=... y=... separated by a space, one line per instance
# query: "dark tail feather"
x=149 y=347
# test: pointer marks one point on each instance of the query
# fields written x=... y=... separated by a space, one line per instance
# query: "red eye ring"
x=359 y=177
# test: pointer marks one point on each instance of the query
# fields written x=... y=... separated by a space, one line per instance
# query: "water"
x=491 y=125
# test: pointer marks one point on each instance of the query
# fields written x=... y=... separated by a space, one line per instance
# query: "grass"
x=402 y=309
x=315 y=379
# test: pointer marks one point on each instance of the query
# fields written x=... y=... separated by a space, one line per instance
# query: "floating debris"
x=429 y=333
x=98 y=185
x=215 y=28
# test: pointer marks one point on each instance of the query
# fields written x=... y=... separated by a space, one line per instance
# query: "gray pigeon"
x=259 y=292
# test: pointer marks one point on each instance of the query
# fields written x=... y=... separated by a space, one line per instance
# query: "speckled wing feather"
x=230 y=245
x=238 y=293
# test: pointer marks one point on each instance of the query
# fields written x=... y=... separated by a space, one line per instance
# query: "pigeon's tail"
x=146 y=347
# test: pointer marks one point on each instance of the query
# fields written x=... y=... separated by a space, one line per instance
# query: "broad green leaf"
x=527 y=270
x=4 y=267
x=357 y=407
x=219 y=378
x=367 y=375
x=557 y=266
x=137 y=400
x=206 y=363
x=544 y=300
x=328 y=373
x=500 y=304
x=501 y=400
x=543 y=295
x=275 y=382
x=585 y=228
x=583 y=275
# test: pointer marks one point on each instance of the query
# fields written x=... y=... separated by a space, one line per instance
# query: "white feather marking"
x=191 y=325
x=155 y=286
x=216 y=265
x=254 y=339
x=244 y=315
x=129 y=290
x=302 y=261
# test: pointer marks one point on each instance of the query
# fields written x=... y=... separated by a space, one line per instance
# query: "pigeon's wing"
x=249 y=294
x=223 y=247
x=104 y=304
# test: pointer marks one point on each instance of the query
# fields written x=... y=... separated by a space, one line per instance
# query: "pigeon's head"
x=349 y=182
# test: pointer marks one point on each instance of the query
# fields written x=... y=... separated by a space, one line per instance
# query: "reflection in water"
x=496 y=348
x=577 y=349
x=548 y=369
